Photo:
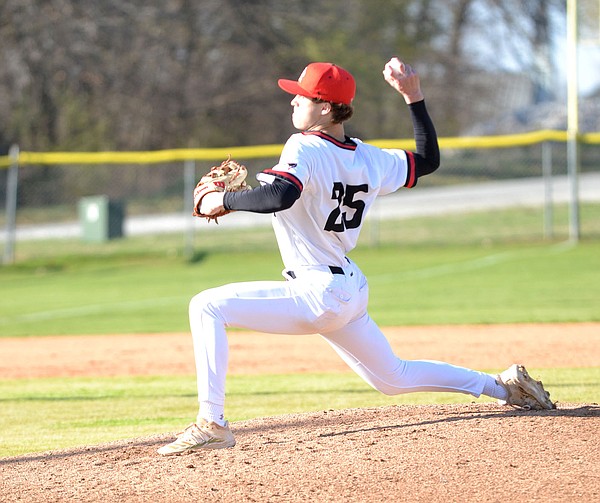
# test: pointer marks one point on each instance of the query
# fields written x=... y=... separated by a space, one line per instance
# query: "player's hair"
x=340 y=112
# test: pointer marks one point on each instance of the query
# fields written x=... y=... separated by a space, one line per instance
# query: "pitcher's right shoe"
x=204 y=435
x=524 y=392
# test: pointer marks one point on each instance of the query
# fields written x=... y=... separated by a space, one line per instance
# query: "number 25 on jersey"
x=346 y=197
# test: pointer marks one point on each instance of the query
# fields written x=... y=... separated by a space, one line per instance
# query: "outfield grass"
x=45 y=414
x=410 y=285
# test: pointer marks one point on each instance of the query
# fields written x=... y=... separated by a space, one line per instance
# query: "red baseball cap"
x=324 y=81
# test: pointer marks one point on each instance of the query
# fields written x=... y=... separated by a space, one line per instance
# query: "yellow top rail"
x=258 y=151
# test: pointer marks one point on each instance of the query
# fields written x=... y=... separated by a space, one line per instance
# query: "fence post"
x=548 y=203
x=189 y=182
x=573 y=120
x=11 y=205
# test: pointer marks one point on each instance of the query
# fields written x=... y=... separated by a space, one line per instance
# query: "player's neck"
x=334 y=130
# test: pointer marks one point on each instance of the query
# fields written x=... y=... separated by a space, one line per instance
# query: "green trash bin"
x=101 y=218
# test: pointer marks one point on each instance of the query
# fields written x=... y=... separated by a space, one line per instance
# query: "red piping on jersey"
x=288 y=176
x=337 y=143
x=412 y=172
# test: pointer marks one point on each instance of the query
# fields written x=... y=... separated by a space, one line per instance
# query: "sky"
x=588 y=63
x=501 y=45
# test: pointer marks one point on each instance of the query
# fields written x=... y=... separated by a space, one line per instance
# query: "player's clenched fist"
x=403 y=79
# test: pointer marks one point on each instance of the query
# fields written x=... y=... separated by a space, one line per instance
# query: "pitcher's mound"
x=476 y=452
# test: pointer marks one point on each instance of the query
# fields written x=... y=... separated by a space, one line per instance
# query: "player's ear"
x=326 y=108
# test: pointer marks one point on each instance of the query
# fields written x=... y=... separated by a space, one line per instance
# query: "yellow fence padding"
x=261 y=151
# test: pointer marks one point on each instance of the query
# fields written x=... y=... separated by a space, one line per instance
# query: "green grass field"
x=45 y=414
x=144 y=284
x=411 y=285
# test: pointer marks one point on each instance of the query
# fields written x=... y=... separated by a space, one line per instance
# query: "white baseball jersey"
x=339 y=183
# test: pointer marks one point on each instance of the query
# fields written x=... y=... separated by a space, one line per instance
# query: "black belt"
x=333 y=268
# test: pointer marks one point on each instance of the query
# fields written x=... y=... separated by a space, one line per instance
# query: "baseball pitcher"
x=319 y=194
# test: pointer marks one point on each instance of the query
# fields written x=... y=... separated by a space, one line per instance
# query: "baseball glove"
x=229 y=176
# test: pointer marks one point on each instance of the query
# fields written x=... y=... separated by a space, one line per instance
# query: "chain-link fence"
x=482 y=192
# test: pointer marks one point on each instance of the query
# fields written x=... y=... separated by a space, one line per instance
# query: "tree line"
x=149 y=74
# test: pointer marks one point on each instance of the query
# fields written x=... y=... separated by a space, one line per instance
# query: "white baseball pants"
x=317 y=301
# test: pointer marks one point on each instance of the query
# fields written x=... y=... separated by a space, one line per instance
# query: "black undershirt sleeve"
x=427 y=156
x=268 y=198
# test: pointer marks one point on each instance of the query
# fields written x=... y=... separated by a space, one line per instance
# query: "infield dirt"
x=470 y=452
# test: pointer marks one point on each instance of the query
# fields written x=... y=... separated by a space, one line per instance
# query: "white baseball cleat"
x=204 y=435
x=524 y=392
